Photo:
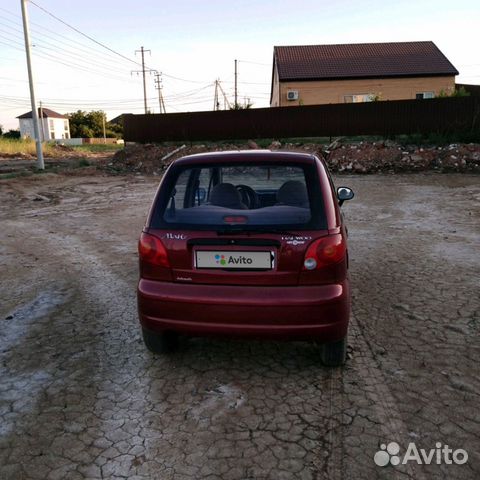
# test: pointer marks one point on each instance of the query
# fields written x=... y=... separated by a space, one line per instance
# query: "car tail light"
x=324 y=251
x=151 y=250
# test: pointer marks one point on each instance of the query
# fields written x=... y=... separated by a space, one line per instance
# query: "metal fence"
x=439 y=115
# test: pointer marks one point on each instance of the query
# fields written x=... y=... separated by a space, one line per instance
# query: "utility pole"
x=143 y=71
x=225 y=98
x=161 y=101
x=159 y=86
x=216 y=104
x=26 y=33
x=42 y=130
x=236 y=104
x=104 y=130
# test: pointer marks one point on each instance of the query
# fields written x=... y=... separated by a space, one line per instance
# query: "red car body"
x=287 y=301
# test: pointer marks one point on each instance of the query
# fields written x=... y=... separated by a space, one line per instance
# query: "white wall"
x=50 y=128
x=69 y=141
x=26 y=127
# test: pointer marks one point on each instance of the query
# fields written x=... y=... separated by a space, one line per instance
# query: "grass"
x=98 y=147
x=9 y=146
x=10 y=175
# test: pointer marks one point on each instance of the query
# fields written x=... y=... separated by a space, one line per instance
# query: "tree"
x=375 y=97
x=90 y=125
x=242 y=106
x=457 y=92
x=1 y=130
x=12 y=134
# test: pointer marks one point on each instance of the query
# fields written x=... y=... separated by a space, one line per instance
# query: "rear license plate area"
x=234 y=260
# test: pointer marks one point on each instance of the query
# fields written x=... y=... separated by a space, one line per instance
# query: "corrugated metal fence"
x=439 y=115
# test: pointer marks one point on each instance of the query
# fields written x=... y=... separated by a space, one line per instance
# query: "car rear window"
x=240 y=196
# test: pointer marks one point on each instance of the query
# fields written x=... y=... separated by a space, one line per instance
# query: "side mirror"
x=343 y=194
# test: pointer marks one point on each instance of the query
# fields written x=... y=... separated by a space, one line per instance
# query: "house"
x=53 y=125
x=320 y=74
x=118 y=120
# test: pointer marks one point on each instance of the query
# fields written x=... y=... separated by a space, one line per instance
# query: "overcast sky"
x=194 y=42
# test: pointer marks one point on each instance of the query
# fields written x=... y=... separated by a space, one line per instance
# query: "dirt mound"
x=362 y=157
x=390 y=157
x=153 y=159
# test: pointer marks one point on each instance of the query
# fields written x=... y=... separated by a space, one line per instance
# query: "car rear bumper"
x=318 y=313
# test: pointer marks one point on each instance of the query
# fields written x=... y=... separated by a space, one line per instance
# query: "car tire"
x=334 y=354
x=164 y=342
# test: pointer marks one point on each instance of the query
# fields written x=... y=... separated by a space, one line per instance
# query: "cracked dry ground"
x=80 y=397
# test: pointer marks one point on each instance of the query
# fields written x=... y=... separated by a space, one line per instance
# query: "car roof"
x=246 y=156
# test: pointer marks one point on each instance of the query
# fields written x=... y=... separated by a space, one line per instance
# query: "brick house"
x=320 y=74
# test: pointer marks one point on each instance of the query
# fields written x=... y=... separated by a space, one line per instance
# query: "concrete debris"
x=363 y=157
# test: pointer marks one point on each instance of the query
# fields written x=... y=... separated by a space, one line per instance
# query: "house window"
x=50 y=122
x=52 y=135
x=363 y=97
x=65 y=123
x=422 y=95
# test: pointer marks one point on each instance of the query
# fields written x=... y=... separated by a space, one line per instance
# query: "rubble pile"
x=153 y=159
x=362 y=157
x=390 y=157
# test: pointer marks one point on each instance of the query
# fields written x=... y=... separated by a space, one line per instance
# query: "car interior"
x=206 y=196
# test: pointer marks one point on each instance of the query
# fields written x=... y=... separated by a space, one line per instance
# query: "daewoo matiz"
x=246 y=244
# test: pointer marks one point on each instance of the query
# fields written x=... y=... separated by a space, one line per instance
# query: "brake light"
x=324 y=251
x=152 y=250
x=232 y=220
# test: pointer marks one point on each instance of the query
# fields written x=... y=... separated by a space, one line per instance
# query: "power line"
x=69 y=54
x=71 y=101
x=256 y=63
x=118 y=54
x=10 y=39
x=70 y=64
x=10 y=13
x=183 y=79
x=11 y=46
x=83 y=34
x=105 y=56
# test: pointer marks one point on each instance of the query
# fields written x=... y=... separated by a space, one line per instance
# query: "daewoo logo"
x=232 y=260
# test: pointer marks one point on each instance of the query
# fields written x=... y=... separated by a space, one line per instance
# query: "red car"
x=246 y=244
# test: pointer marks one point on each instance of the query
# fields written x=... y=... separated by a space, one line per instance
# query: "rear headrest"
x=226 y=195
x=293 y=193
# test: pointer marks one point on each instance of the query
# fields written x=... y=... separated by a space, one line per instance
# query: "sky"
x=192 y=43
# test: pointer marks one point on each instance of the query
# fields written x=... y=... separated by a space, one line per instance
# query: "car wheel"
x=334 y=354
x=164 y=342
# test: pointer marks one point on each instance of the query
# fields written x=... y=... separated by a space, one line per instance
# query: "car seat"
x=293 y=193
x=226 y=195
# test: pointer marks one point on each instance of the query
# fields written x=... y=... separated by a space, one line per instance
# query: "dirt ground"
x=80 y=397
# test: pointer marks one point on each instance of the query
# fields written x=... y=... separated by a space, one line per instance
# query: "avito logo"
x=232 y=260
x=220 y=259
x=390 y=454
